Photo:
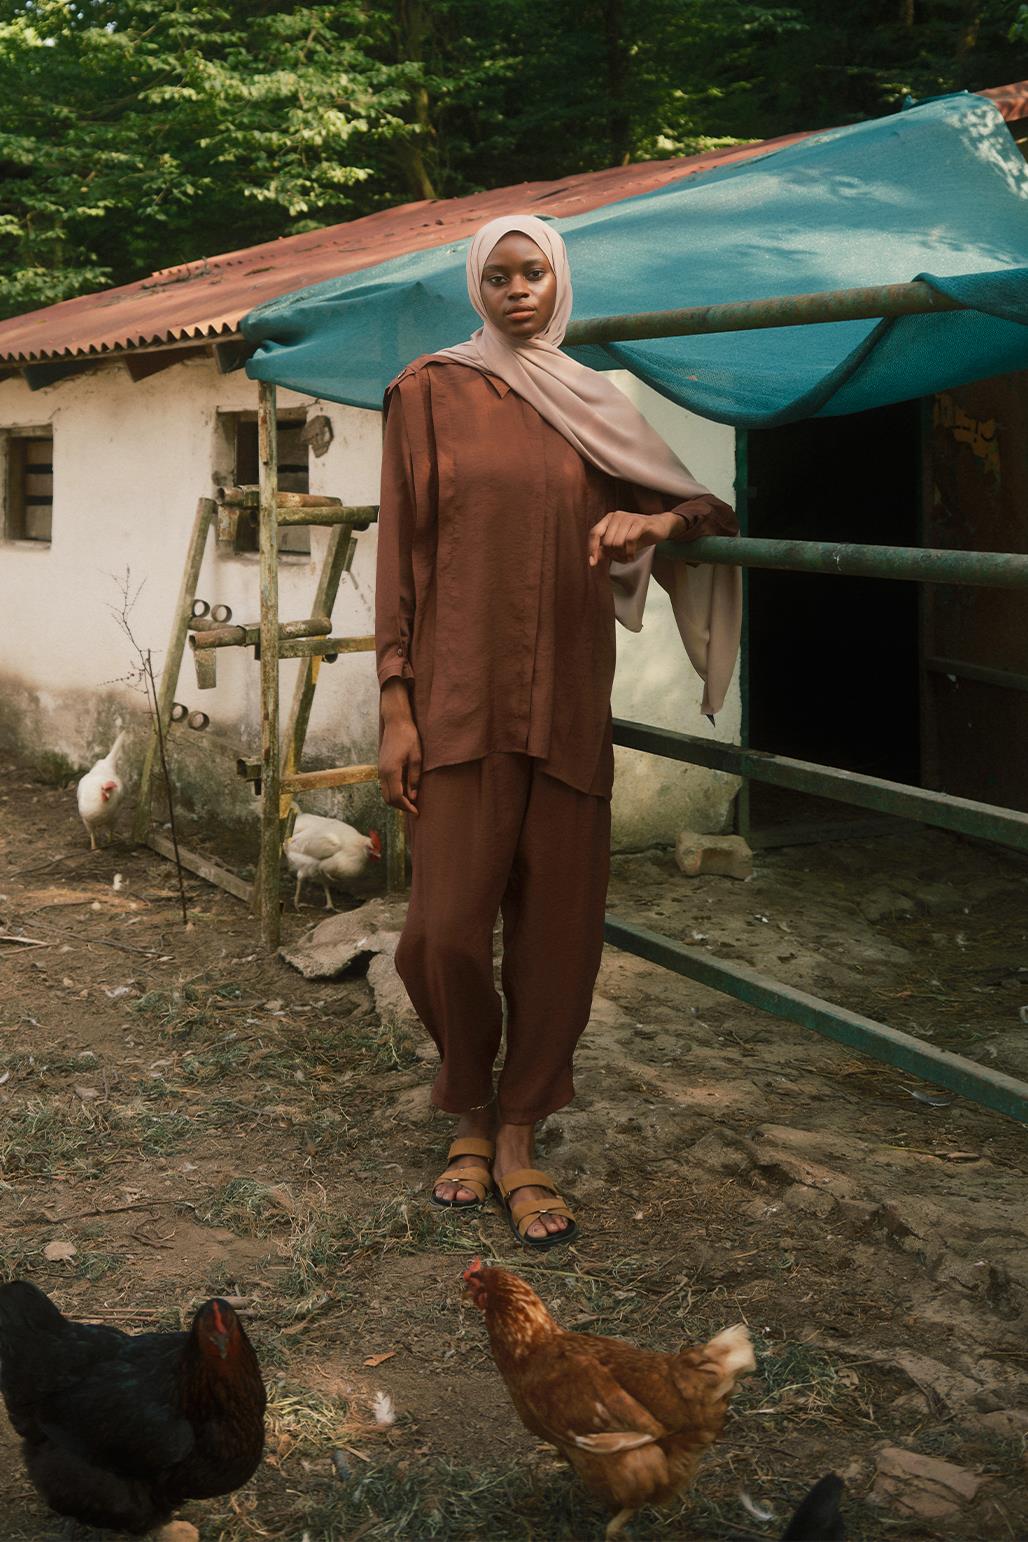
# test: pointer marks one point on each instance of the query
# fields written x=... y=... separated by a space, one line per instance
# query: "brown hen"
x=632 y=1423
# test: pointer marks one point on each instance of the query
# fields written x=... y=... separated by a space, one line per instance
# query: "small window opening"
x=293 y=477
x=30 y=486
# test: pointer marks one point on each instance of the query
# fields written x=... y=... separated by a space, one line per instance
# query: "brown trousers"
x=498 y=835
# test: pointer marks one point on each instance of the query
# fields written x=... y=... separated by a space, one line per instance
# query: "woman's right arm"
x=399 y=755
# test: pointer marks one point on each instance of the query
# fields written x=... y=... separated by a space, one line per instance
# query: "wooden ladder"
x=276 y=775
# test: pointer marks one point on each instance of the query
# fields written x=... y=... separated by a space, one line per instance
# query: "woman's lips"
x=520 y=315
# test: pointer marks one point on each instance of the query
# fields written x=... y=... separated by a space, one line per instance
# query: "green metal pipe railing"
x=986 y=821
x=923 y=565
x=982 y=1085
x=798 y=310
x=991 y=1089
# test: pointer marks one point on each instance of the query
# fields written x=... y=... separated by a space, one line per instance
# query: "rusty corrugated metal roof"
x=1012 y=101
x=205 y=300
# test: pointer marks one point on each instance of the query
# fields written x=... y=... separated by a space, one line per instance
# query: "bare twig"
x=144 y=679
x=29 y=942
x=82 y=1215
x=156 y=710
x=37 y=867
x=84 y=941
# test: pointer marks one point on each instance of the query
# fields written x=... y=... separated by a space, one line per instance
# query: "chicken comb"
x=376 y=841
x=474 y=1267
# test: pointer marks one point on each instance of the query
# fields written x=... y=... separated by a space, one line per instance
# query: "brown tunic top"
x=485 y=600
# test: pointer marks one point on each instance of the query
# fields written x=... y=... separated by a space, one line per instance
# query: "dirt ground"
x=193 y=1117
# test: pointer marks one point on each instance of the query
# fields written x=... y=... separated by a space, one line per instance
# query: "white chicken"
x=328 y=851
x=99 y=794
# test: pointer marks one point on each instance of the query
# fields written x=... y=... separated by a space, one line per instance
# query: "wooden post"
x=337 y=562
x=330 y=776
x=268 y=866
x=324 y=647
x=206 y=510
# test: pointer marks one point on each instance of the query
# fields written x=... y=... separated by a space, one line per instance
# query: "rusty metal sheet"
x=205 y=299
x=1012 y=101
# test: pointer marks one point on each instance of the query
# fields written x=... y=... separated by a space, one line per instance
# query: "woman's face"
x=519 y=287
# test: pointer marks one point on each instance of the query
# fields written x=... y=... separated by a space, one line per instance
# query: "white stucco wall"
x=655 y=683
x=130 y=462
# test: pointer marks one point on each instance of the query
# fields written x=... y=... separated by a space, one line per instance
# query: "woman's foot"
x=515 y=1148
x=480 y=1124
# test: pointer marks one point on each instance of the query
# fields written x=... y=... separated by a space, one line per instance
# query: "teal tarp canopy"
x=938 y=192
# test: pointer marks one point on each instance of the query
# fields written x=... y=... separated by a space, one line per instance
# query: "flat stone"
x=931 y=1377
x=857 y=1213
x=780 y=1154
x=391 y=1000
x=335 y=945
x=719 y=856
x=778 y=1165
x=921 y=1486
x=1010 y=1422
x=809 y=1201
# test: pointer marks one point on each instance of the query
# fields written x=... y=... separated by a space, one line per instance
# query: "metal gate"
x=1002 y=570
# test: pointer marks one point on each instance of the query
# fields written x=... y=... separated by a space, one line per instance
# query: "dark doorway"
x=833 y=661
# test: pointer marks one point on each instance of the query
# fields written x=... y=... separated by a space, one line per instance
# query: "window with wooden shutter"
x=30 y=485
x=293 y=476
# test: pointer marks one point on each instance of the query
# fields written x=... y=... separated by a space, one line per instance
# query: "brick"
x=722 y=856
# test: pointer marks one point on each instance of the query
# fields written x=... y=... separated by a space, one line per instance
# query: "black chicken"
x=118 y=1429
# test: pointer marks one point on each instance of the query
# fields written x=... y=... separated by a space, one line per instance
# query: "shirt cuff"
x=396 y=666
x=705 y=515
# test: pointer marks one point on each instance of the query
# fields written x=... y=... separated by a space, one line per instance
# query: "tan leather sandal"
x=521 y=1213
x=476 y=1178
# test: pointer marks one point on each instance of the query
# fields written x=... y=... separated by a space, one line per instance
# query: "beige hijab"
x=608 y=431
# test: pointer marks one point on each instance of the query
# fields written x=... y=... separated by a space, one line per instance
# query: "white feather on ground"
x=758 y=1512
x=384 y=1410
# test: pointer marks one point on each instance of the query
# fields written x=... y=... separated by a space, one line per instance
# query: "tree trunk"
x=619 y=121
x=970 y=25
x=411 y=31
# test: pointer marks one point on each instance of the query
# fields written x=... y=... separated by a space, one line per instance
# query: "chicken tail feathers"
x=115 y=749
x=610 y=1441
x=24 y=1307
x=729 y=1356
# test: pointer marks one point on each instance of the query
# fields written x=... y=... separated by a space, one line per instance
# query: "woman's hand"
x=399 y=754
x=621 y=536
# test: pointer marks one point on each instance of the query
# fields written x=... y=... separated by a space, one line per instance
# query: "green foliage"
x=136 y=135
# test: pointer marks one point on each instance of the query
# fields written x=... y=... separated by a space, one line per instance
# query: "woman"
x=522 y=496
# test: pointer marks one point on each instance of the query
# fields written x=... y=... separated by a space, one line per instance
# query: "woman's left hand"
x=621 y=536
